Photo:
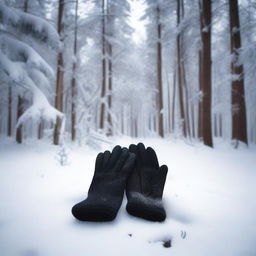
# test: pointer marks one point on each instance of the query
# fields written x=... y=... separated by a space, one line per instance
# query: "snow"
x=15 y=70
x=17 y=50
x=25 y=74
x=209 y=198
x=30 y=24
x=40 y=109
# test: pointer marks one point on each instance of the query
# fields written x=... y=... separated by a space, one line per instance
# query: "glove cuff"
x=146 y=208
x=94 y=212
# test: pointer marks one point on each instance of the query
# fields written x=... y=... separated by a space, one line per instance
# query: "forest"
x=87 y=69
x=127 y=127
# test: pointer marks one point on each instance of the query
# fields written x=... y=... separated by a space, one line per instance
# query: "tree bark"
x=9 y=129
x=200 y=105
x=220 y=125
x=159 y=76
x=169 y=108
x=110 y=70
x=19 y=113
x=186 y=103
x=184 y=82
x=26 y=5
x=73 y=81
x=60 y=75
x=20 y=106
x=193 y=121
x=40 y=130
x=174 y=100
x=179 y=74
x=215 y=125
x=206 y=73
x=103 y=86
x=110 y=128
x=239 y=119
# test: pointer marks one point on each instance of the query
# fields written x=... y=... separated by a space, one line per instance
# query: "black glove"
x=106 y=191
x=145 y=185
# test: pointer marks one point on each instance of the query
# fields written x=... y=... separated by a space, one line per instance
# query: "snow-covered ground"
x=209 y=198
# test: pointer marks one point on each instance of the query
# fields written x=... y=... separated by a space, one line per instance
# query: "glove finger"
x=152 y=157
x=98 y=162
x=163 y=171
x=162 y=177
x=142 y=154
x=129 y=164
x=121 y=160
x=133 y=149
x=106 y=157
x=114 y=155
x=159 y=181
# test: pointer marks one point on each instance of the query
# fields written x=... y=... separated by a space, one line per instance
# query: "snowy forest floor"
x=209 y=198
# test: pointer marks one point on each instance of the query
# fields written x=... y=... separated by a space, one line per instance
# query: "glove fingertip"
x=115 y=155
x=164 y=169
x=117 y=148
x=99 y=156
x=143 y=154
x=133 y=148
x=99 y=160
x=124 y=149
x=106 y=156
x=141 y=146
x=152 y=157
x=151 y=149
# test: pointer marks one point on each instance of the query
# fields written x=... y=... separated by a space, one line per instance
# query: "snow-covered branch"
x=19 y=51
x=29 y=24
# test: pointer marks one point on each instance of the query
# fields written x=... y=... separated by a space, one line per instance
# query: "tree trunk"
x=159 y=76
x=26 y=5
x=239 y=122
x=169 y=108
x=108 y=73
x=73 y=82
x=200 y=105
x=215 y=125
x=206 y=73
x=220 y=125
x=40 y=130
x=103 y=86
x=19 y=113
x=20 y=106
x=110 y=128
x=110 y=70
x=60 y=75
x=9 y=129
x=174 y=100
x=184 y=83
x=179 y=76
x=187 y=108
x=193 y=120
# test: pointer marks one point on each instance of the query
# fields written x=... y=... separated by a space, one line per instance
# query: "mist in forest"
x=73 y=70
x=127 y=127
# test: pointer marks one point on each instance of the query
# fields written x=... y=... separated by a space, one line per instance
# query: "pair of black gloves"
x=135 y=170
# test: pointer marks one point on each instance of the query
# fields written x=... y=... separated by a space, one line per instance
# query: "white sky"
x=137 y=10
